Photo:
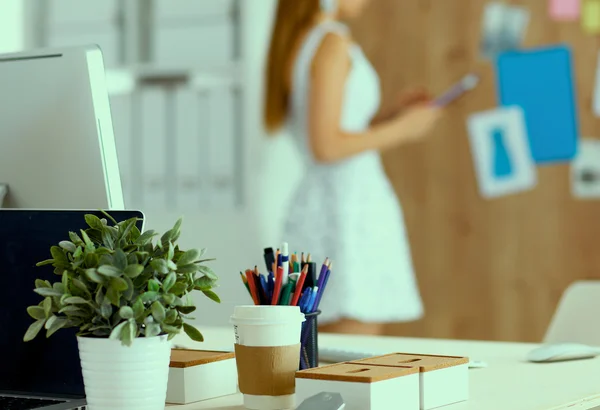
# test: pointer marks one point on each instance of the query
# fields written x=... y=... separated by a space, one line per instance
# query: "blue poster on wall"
x=540 y=81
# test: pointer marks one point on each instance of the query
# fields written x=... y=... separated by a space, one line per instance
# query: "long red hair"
x=293 y=17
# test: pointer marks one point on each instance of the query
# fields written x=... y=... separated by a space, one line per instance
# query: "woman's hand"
x=418 y=121
x=404 y=101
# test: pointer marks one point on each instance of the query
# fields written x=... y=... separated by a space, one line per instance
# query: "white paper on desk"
x=501 y=153
x=585 y=170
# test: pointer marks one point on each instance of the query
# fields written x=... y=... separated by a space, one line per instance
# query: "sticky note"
x=590 y=16
x=564 y=10
x=540 y=81
x=500 y=151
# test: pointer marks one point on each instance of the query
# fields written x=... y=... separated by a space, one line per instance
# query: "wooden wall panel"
x=488 y=269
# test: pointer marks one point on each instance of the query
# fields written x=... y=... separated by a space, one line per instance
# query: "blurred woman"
x=321 y=85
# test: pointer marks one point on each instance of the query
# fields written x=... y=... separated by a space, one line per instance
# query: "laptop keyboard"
x=22 y=403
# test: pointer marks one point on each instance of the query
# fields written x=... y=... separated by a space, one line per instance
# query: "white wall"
x=12 y=36
x=236 y=240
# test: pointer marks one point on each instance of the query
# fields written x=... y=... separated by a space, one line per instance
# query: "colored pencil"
x=252 y=285
x=278 y=283
x=299 y=286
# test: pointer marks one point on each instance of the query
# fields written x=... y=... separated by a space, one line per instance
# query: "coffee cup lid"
x=266 y=315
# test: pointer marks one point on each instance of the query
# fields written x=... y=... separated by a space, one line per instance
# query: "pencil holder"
x=309 y=348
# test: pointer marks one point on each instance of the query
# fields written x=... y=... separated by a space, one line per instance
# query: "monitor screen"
x=44 y=365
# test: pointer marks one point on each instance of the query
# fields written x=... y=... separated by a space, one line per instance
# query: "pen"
x=262 y=295
x=311 y=278
x=311 y=301
x=285 y=262
x=285 y=294
x=269 y=258
x=303 y=300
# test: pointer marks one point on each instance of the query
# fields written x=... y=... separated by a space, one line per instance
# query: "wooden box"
x=196 y=375
x=443 y=380
x=363 y=387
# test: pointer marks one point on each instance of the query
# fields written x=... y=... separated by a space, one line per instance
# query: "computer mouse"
x=561 y=352
x=323 y=401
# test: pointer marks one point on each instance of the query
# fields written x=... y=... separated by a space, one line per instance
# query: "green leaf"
x=126 y=312
x=120 y=259
x=152 y=330
x=56 y=325
x=91 y=260
x=106 y=309
x=36 y=312
x=188 y=257
x=171 y=251
x=204 y=283
x=158 y=311
x=207 y=272
x=76 y=239
x=70 y=309
x=212 y=295
x=33 y=330
x=92 y=274
x=172 y=265
x=133 y=271
x=118 y=284
x=128 y=292
x=193 y=333
x=103 y=251
x=159 y=265
x=81 y=286
x=138 y=309
x=114 y=296
x=171 y=316
x=68 y=246
x=179 y=288
x=99 y=297
x=108 y=270
x=47 y=306
x=78 y=252
x=42 y=284
x=76 y=300
x=94 y=222
x=191 y=268
x=86 y=239
x=128 y=333
x=47 y=292
x=168 y=298
x=186 y=310
x=153 y=285
x=169 y=281
x=59 y=255
x=116 y=332
x=148 y=297
x=146 y=237
x=45 y=262
x=170 y=329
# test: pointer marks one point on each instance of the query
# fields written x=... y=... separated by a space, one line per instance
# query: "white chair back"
x=576 y=319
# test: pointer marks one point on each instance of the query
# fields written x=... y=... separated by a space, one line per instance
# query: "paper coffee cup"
x=267 y=348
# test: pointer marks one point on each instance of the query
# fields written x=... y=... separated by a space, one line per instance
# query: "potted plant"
x=128 y=296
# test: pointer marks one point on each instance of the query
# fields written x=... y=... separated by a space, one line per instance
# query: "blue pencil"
x=321 y=290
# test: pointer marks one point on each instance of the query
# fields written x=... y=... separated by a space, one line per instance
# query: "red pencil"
x=299 y=285
x=252 y=285
x=277 y=289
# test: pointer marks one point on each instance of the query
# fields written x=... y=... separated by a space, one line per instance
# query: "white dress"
x=348 y=210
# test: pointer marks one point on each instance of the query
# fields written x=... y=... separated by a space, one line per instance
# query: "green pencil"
x=286 y=294
x=244 y=281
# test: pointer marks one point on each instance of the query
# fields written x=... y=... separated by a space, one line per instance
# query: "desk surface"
x=508 y=383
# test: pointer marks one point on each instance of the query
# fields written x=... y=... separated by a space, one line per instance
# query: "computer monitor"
x=57 y=147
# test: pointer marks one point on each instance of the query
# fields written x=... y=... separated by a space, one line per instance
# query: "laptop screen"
x=44 y=365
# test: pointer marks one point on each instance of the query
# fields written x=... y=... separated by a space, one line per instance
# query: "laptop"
x=44 y=373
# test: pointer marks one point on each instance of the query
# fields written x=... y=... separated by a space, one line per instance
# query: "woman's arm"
x=328 y=143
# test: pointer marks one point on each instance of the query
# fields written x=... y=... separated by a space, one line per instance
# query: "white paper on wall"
x=585 y=170
x=501 y=153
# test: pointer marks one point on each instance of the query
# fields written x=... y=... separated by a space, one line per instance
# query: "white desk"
x=508 y=383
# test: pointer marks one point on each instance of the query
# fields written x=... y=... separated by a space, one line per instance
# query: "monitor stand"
x=3 y=193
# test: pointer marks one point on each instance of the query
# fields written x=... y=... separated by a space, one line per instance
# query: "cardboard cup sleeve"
x=267 y=370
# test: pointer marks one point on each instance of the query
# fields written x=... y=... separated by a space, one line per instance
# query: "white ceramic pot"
x=118 y=377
